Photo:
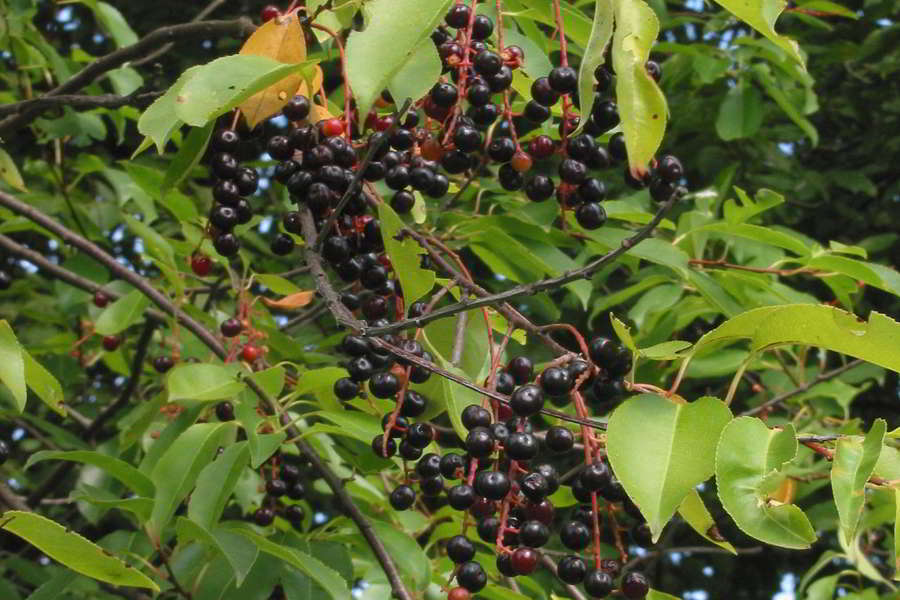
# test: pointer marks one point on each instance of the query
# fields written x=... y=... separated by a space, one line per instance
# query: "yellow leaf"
x=281 y=39
x=297 y=300
x=317 y=112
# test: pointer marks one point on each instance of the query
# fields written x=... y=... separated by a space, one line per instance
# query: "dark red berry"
x=231 y=327
x=201 y=264
x=250 y=353
x=458 y=16
x=524 y=560
x=111 y=342
x=635 y=585
x=225 y=411
x=264 y=517
x=163 y=363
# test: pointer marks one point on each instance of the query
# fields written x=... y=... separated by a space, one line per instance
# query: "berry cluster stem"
x=347 y=91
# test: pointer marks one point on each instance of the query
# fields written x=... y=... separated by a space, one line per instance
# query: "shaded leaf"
x=118 y=468
x=10 y=173
x=122 y=314
x=203 y=382
x=853 y=464
x=695 y=514
x=12 y=365
x=594 y=56
x=761 y=16
x=215 y=483
x=405 y=256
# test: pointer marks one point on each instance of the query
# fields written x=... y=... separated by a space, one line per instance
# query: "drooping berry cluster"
x=233 y=182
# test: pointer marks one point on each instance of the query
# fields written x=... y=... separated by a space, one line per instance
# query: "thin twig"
x=549 y=283
x=81 y=101
x=207 y=10
x=800 y=389
x=119 y=57
x=460 y=338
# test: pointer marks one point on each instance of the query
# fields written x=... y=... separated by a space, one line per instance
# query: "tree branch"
x=119 y=57
x=528 y=289
x=80 y=101
x=211 y=342
x=802 y=388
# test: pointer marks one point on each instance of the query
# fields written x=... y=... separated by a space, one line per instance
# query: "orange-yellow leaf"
x=297 y=300
x=281 y=39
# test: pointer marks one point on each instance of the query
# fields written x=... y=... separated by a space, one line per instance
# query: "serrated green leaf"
x=740 y=113
x=853 y=464
x=750 y=459
x=594 y=56
x=379 y=52
x=642 y=105
x=44 y=384
x=12 y=365
x=72 y=550
x=188 y=156
x=623 y=332
x=215 y=483
x=815 y=325
x=417 y=74
x=681 y=438
x=240 y=552
x=122 y=314
x=204 y=382
x=10 y=173
x=761 y=16
x=665 y=350
x=121 y=470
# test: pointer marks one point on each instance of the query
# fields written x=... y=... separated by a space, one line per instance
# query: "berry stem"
x=561 y=28
x=463 y=68
x=347 y=91
x=595 y=516
x=401 y=395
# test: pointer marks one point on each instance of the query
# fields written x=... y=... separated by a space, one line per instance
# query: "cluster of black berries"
x=233 y=182
x=288 y=484
x=511 y=464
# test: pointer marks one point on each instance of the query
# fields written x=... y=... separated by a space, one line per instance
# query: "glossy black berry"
x=509 y=178
x=670 y=169
x=563 y=79
x=432 y=486
x=478 y=94
x=492 y=485
x=467 y=139
x=225 y=411
x=402 y=497
x=535 y=112
x=461 y=497
x=500 y=432
x=458 y=16
x=264 y=517
x=591 y=215
x=225 y=140
x=605 y=114
x=374 y=277
x=384 y=385
x=470 y=574
x=521 y=446
x=282 y=244
x=487 y=529
x=414 y=404
x=591 y=190
x=452 y=465
x=575 y=535
x=444 y=94
x=556 y=381
x=595 y=476
x=571 y=569
x=297 y=109
x=501 y=80
x=616 y=147
x=543 y=93
x=420 y=435
x=276 y=488
x=409 y=452
x=231 y=327
x=559 y=439
x=474 y=416
x=296 y=491
x=440 y=185
x=527 y=400
x=279 y=147
x=226 y=192
x=572 y=171
x=487 y=63
x=598 y=584
x=539 y=188
x=641 y=535
x=224 y=165
x=460 y=549
x=635 y=585
x=380 y=449
x=360 y=369
x=534 y=534
x=247 y=180
x=661 y=190
x=534 y=486
x=479 y=442
x=429 y=465
x=482 y=28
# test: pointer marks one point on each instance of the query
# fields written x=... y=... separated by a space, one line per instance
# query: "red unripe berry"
x=269 y=12
x=201 y=265
x=111 y=342
x=100 y=299
x=432 y=149
x=383 y=123
x=521 y=161
x=332 y=127
x=459 y=593
x=250 y=353
x=524 y=560
x=542 y=146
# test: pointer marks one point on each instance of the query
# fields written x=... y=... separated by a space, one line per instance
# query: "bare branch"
x=81 y=101
x=802 y=388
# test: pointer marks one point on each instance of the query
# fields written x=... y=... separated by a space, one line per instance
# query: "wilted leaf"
x=293 y=301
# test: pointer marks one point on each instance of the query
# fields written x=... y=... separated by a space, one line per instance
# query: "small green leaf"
x=118 y=468
x=853 y=464
x=215 y=483
x=204 y=382
x=594 y=56
x=55 y=588
x=665 y=350
x=12 y=365
x=188 y=156
x=750 y=459
x=415 y=563
x=240 y=552
x=262 y=445
x=271 y=380
x=72 y=550
x=681 y=438
x=122 y=314
x=421 y=69
x=157 y=246
x=10 y=173
x=761 y=16
x=695 y=514
x=177 y=470
x=277 y=284
x=44 y=384
x=740 y=114
x=405 y=256
x=376 y=54
x=113 y=22
x=623 y=332
x=642 y=105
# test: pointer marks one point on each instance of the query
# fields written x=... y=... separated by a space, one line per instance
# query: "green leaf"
x=121 y=470
x=122 y=314
x=204 y=382
x=761 y=16
x=415 y=564
x=740 y=113
x=240 y=552
x=642 y=105
x=262 y=445
x=54 y=589
x=681 y=438
x=415 y=281
x=757 y=233
x=188 y=156
x=44 y=384
x=657 y=595
x=177 y=470
x=665 y=350
x=158 y=121
x=12 y=365
x=215 y=483
x=395 y=30
x=695 y=514
x=763 y=75
x=113 y=22
x=277 y=284
x=72 y=550
x=421 y=69
x=814 y=325
x=320 y=384
x=329 y=579
x=750 y=460
x=745 y=208
x=623 y=332
x=271 y=380
x=10 y=173
x=220 y=85
x=853 y=464
x=157 y=246
x=897 y=534
x=594 y=56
